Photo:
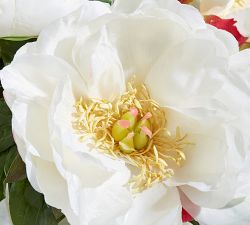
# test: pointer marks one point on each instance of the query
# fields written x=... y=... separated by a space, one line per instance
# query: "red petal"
x=186 y=217
x=228 y=25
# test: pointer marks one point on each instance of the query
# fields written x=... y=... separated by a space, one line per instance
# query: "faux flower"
x=28 y=17
x=128 y=115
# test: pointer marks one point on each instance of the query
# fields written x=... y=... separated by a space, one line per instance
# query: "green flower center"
x=131 y=132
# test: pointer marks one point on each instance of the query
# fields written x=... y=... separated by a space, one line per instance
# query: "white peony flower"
x=69 y=93
x=28 y=17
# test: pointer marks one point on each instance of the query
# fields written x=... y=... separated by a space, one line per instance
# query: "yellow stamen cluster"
x=95 y=118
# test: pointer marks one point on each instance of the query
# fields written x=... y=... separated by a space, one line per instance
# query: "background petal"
x=29 y=17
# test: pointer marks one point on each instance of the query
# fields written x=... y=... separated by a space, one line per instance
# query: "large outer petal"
x=26 y=100
x=29 y=17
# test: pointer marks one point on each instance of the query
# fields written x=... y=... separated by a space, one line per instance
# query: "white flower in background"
x=94 y=142
x=29 y=17
x=237 y=9
x=4 y=213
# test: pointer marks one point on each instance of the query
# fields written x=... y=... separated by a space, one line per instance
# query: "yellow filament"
x=95 y=118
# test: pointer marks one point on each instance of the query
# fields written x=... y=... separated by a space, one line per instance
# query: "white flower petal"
x=217 y=198
x=243 y=189
x=55 y=191
x=126 y=6
x=28 y=17
x=26 y=156
x=5 y=213
x=238 y=214
x=58 y=38
x=188 y=205
x=97 y=60
x=19 y=77
x=240 y=68
x=207 y=144
x=161 y=7
x=225 y=38
x=235 y=212
x=104 y=204
x=243 y=20
x=6 y=19
x=37 y=98
x=139 y=48
x=158 y=205
x=181 y=79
